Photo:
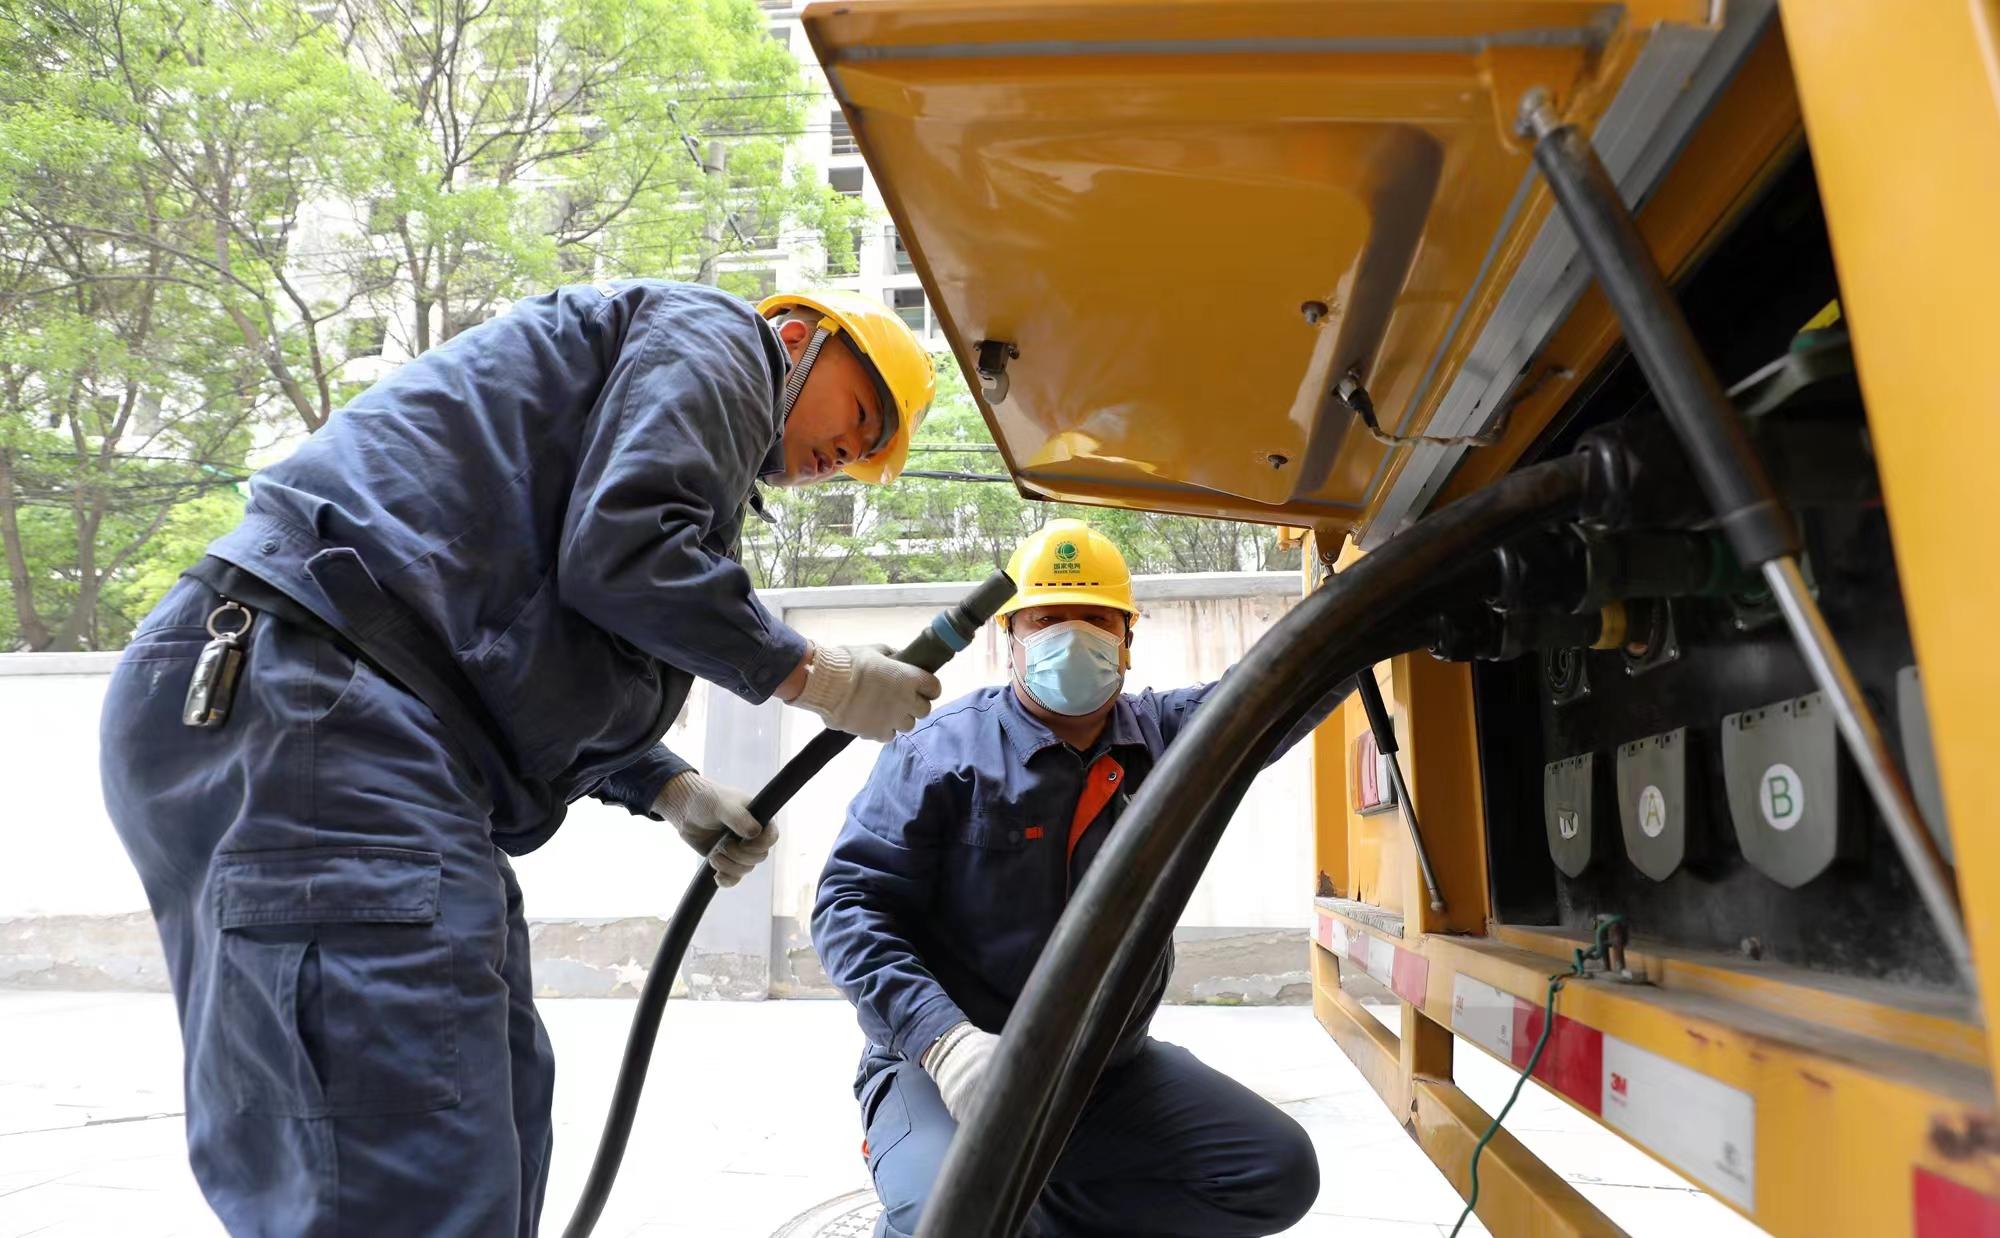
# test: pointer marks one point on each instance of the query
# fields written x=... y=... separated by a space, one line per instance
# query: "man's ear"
x=794 y=332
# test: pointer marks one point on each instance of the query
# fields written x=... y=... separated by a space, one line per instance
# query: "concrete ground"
x=749 y=1129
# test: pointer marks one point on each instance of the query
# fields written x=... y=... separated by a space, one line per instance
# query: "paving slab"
x=749 y=1127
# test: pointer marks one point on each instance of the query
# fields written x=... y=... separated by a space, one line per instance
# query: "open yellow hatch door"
x=1185 y=223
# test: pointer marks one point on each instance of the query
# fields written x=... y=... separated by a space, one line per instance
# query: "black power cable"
x=1125 y=983
x=1130 y=899
x=949 y=631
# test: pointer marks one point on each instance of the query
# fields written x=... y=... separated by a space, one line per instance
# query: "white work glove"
x=860 y=689
x=702 y=811
x=958 y=1061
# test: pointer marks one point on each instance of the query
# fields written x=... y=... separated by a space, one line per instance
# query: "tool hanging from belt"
x=212 y=687
x=376 y=629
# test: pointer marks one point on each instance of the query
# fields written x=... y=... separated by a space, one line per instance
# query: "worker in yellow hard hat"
x=480 y=592
x=948 y=876
x=882 y=348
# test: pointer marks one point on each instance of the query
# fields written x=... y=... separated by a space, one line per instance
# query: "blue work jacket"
x=555 y=496
x=957 y=858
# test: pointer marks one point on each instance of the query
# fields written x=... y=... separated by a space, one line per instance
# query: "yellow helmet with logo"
x=1068 y=563
x=889 y=351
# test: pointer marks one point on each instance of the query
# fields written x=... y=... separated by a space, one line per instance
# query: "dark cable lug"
x=1537 y=572
x=1495 y=636
x=1637 y=477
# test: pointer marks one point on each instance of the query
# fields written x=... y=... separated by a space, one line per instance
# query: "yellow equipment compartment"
x=1190 y=221
x=1170 y=230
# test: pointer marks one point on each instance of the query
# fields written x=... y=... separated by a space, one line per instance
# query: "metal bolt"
x=1277 y=461
x=1537 y=117
x=1314 y=312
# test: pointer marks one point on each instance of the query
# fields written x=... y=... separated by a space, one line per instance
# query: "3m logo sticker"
x=1706 y=1128
x=1066 y=560
x=1483 y=1015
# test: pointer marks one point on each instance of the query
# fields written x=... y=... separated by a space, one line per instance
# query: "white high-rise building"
x=880 y=267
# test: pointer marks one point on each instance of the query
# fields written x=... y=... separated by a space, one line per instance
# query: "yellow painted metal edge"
x=1518 y=1192
x=1369 y=1045
x=1908 y=1018
x=1754 y=127
x=1902 y=108
x=1824 y=1097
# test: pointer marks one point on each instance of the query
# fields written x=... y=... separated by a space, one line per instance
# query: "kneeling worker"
x=948 y=877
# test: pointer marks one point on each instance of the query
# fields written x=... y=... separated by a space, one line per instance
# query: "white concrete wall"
x=61 y=856
x=1269 y=845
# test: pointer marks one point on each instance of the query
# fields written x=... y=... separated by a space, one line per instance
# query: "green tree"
x=212 y=211
x=567 y=140
x=108 y=426
x=219 y=137
x=809 y=537
x=117 y=403
x=954 y=516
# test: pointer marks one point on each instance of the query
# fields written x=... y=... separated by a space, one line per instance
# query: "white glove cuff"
x=678 y=796
x=941 y=1048
x=829 y=681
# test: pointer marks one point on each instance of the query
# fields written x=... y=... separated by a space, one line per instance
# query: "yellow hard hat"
x=889 y=351
x=1068 y=563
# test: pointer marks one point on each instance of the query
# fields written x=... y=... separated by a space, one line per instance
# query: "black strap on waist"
x=378 y=630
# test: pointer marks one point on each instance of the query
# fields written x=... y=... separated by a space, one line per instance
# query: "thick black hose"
x=1124 y=983
x=639 y=1042
x=1124 y=988
x=984 y=1173
x=948 y=633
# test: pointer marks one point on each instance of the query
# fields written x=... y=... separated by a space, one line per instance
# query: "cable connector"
x=1355 y=396
x=1607 y=943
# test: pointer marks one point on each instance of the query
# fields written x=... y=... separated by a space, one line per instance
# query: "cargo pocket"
x=884 y=1116
x=335 y=982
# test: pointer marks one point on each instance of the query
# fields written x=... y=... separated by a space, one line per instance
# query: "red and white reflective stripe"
x=1331 y=934
x=1405 y=971
x=1704 y=1127
x=1947 y=1209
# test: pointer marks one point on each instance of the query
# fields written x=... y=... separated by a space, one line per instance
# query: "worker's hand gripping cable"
x=716 y=821
x=865 y=690
x=703 y=806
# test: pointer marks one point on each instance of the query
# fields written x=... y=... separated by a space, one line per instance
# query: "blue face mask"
x=1072 y=668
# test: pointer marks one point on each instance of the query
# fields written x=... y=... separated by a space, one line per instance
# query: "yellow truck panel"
x=1168 y=232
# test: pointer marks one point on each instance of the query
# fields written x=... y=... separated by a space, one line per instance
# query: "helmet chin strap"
x=795 y=381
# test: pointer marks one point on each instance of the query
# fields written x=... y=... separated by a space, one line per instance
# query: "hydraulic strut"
x=1727 y=468
x=1384 y=728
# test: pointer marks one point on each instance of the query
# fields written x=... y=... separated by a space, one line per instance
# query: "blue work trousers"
x=346 y=944
x=1166 y=1147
